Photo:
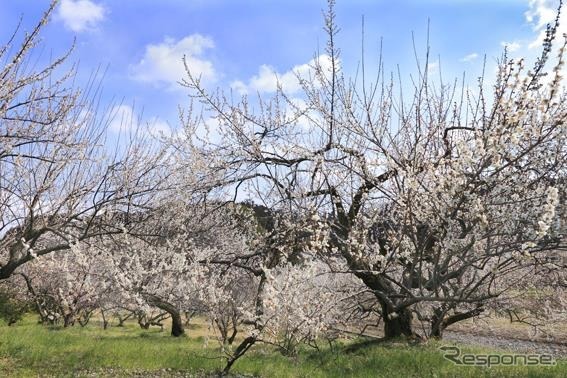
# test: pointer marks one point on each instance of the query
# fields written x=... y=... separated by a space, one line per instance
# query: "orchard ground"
x=31 y=350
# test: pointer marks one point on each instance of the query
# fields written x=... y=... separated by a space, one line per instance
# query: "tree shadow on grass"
x=366 y=343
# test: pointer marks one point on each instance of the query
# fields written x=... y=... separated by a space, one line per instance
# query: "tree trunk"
x=121 y=319
x=176 y=319
x=104 y=320
x=144 y=325
x=176 y=324
x=394 y=326
x=249 y=341
x=440 y=321
x=233 y=335
x=436 y=331
x=437 y=327
x=397 y=326
x=221 y=326
x=68 y=320
x=246 y=344
x=36 y=300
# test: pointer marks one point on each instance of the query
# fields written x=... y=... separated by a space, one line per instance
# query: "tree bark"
x=440 y=322
x=122 y=319
x=437 y=326
x=249 y=341
x=394 y=326
x=104 y=320
x=233 y=335
x=176 y=319
x=398 y=326
x=176 y=324
x=68 y=320
x=143 y=324
x=246 y=344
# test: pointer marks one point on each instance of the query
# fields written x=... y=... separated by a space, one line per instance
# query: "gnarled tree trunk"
x=177 y=328
x=398 y=325
x=440 y=321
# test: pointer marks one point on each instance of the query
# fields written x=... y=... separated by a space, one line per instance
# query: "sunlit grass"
x=29 y=350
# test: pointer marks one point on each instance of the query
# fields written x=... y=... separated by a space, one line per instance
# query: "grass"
x=30 y=350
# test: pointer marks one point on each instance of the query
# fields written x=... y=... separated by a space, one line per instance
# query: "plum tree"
x=437 y=202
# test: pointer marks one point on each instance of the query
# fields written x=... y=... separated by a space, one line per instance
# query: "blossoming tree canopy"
x=433 y=200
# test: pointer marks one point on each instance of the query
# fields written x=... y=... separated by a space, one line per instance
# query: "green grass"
x=30 y=350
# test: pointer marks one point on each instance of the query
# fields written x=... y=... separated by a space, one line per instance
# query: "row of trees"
x=419 y=211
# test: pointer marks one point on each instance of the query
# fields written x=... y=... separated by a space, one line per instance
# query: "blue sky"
x=243 y=43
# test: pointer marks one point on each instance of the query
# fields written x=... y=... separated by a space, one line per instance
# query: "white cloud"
x=124 y=119
x=239 y=87
x=539 y=15
x=511 y=46
x=267 y=78
x=163 y=62
x=433 y=67
x=469 y=57
x=80 y=15
x=158 y=127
